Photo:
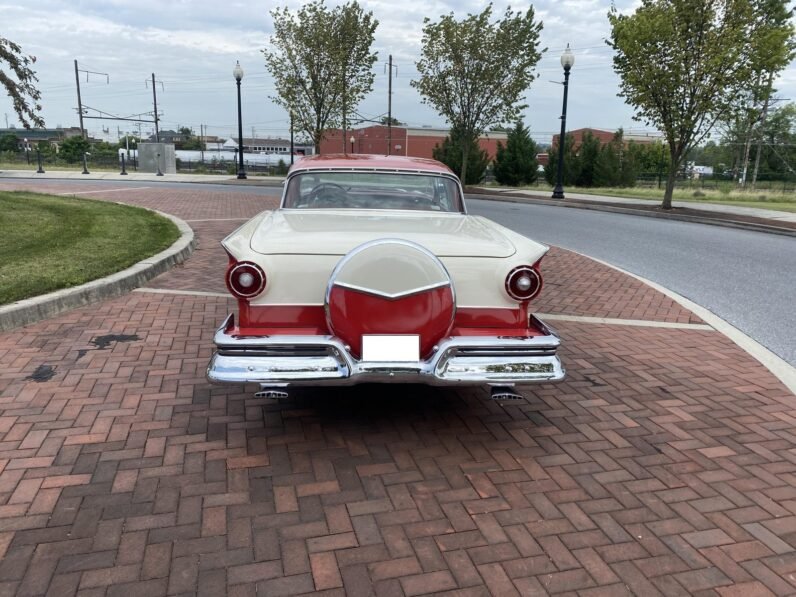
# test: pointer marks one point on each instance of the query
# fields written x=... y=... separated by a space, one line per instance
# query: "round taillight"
x=523 y=283
x=245 y=279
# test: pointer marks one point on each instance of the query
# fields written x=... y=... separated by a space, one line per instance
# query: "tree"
x=20 y=83
x=474 y=72
x=321 y=63
x=72 y=149
x=587 y=160
x=515 y=164
x=608 y=165
x=775 y=51
x=129 y=141
x=385 y=120
x=684 y=63
x=571 y=162
x=9 y=142
x=450 y=153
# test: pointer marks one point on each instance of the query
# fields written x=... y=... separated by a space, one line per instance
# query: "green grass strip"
x=48 y=243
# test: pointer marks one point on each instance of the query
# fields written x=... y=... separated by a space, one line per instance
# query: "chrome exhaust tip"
x=504 y=393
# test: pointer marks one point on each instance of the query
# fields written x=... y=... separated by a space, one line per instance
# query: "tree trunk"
x=746 y=151
x=465 y=154
x=671 y=178
x=763 y=117
x=317 y=137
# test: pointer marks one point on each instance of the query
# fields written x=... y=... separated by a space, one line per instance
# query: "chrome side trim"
x=324 y=360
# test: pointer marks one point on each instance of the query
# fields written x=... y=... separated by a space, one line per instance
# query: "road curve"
x=746 y=278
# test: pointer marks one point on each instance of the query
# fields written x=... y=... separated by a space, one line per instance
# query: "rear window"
x=372 y=190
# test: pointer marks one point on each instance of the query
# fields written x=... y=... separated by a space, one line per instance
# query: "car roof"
x=369 y=161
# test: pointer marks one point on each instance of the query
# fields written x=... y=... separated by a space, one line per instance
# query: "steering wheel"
x=327 y=191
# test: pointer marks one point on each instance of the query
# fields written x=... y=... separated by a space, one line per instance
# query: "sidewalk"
x=143 y=176
x=663 y=464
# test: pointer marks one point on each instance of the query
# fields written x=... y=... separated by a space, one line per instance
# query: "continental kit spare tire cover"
x=386 y=287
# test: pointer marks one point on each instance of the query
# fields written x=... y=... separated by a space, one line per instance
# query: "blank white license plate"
x=391 y=348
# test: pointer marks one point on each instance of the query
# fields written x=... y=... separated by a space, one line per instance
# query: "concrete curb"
x=253 y=181
x=768 y=228
x=779 y=367
x=49 y=305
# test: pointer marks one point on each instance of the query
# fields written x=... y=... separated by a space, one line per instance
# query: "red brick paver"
x=664 y=464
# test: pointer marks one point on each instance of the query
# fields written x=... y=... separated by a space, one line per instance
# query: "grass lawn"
x=48 y=242
x=761 y=199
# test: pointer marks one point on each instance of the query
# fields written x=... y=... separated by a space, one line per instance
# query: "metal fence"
x=29 y=160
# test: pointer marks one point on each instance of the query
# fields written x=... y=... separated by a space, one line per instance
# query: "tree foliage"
x=588 y=152
x=72 y=149
x=475 y=72
x=450 y=153
x=321 y=62
x=515 y=164
x=571 y=163
x=19 y=81
x=683 y=65
x=9 y=142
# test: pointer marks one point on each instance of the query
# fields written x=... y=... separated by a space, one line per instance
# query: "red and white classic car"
x=371 y=270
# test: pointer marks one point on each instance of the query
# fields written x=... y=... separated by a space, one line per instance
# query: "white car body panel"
x=298 y=251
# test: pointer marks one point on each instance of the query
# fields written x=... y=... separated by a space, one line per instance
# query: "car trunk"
x=336 y=232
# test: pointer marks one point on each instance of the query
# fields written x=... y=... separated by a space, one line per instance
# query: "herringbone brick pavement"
x=663 y=465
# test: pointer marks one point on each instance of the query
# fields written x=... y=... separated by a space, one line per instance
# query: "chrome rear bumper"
x=324 y=360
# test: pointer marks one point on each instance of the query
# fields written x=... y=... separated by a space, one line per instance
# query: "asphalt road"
x=746 y=278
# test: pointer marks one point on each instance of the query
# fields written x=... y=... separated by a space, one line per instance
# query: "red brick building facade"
x=407 y=141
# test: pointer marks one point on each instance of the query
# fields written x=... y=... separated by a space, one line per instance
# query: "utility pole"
x=763 y=117
x=292 y=149
x=389 y=106
x=202 y=141
x=155 y=101
x=6 y=115
x=79 y=103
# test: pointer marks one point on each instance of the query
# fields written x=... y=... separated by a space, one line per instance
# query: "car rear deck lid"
x=336 y=232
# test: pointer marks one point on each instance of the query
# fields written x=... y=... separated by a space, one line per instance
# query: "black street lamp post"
x=237 y=72
x=567 y=61
x=38 y=159
x=352 y=140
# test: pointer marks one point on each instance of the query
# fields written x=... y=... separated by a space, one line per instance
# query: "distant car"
x=371 y=270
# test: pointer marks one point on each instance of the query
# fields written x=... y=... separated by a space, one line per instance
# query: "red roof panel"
x=366 y=160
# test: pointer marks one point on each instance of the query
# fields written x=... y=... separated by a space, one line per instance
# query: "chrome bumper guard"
x=324 y=360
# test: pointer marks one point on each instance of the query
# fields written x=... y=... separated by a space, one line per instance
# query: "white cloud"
x=192 y=46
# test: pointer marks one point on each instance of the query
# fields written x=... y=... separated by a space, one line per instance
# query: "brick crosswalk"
x=665 y=464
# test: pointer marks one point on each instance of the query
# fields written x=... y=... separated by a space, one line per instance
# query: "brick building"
x=407 y=141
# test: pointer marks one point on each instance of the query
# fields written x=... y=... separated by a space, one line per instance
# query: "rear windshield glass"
x=372 y=190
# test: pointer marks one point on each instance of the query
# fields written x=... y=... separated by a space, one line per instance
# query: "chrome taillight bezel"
x=524 y=295
x=241 y=267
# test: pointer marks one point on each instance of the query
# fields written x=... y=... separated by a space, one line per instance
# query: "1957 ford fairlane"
x=371 y=270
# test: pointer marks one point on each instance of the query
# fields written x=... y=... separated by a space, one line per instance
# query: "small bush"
x=698 y=194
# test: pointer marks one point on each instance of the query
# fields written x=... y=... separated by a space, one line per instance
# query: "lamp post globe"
x=567 y=61
x=237 y=72
x=352 y=140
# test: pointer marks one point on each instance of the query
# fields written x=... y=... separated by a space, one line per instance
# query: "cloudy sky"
x=192 y=46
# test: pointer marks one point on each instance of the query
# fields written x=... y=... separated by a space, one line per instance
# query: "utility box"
x=150 y=155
